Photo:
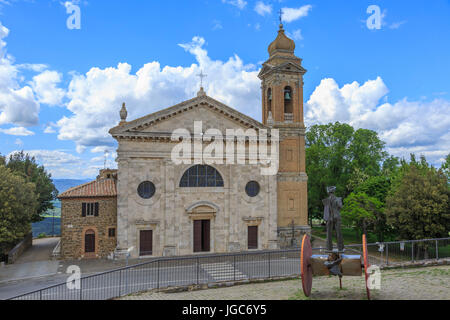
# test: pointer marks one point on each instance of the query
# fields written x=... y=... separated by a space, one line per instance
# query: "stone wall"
x=287 y=239
x=74 y=226
x=23 y=245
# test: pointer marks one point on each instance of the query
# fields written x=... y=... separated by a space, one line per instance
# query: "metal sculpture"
x=335 y=261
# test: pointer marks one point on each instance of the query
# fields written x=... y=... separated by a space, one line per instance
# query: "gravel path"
x=396 y=284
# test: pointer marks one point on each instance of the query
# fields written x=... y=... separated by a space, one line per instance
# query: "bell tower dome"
x=282 y=109
x=282 y=82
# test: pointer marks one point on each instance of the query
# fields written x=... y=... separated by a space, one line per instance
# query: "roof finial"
x=123 y=114
x=281 y=18
x=201 y=75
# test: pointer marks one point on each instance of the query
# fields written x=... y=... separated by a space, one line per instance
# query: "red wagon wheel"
x=366 y=264
x=305 y=263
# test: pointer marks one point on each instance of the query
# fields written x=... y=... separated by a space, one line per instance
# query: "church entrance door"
x=146 y=243
x=202 y=229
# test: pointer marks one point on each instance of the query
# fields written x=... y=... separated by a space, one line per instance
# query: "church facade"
x=202 y=202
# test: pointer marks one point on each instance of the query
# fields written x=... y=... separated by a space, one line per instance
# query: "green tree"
x=446 y=167
x=338 y=155
x=418 y=204
x=18 y=204
x=361 y=212
x=26 y=166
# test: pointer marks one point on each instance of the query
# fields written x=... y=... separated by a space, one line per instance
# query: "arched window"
x=288 y=100
x=201 y=176
x=269 y=100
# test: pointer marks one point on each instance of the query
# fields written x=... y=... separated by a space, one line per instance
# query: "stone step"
x=222 y=271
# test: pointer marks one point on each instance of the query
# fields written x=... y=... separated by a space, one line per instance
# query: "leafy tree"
x=26 y=166
x=361 y=212
x=338 y=155
x=18 y=204
x=2 y=160
x=446 y=167
x=367 y=151
x=418 y=205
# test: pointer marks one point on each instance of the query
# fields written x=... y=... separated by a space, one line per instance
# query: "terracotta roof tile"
x=96 y=188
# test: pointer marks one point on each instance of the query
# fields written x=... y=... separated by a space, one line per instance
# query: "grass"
x=348 y=234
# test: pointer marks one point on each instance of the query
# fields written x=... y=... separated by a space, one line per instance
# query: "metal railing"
x=214 y=268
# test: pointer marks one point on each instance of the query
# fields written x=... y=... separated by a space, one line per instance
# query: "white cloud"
x=292 y=14
x=237 y=3
x=396 y=25
x=217 y=25
x=262 y=9
x=45 y=87
x=407 y=127
x=54 y=160
x=17 y=104
x=296 y=35
x=19 y=142
x=96 y=97
x=17 y=131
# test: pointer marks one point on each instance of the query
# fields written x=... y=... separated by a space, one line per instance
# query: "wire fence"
x=214 y=268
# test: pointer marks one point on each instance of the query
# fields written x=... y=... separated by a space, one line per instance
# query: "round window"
x=146 y=190
x=252 y=189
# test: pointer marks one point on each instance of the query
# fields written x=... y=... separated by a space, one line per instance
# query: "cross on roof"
x=201 y=75
x=281 y=16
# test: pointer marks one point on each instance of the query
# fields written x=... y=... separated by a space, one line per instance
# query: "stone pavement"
x=34 y=262
x=430 y=283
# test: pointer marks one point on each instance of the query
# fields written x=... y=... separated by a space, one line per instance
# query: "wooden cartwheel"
x=366 y=264
x=350 y=265
x=305 y=265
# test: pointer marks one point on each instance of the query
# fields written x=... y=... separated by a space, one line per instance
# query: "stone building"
x=89 y=218
x=166 y=207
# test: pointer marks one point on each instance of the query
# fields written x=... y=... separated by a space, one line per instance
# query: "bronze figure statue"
x=332 y=216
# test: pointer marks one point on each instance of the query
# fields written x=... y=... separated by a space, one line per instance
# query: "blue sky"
x=61 y=89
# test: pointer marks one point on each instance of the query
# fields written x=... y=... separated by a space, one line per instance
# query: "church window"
x=288 y=100
x=146 y=190
x=252 y=189
x=89 y=209
x=269 y=100
x=201 y=176
x=112 y=232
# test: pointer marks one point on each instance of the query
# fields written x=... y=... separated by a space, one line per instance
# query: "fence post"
x=40 y=295
x=81 y=288
x=120 y=283
x=269 y=264
x=157 y=284
x=198 y=269
x=412 y=251
x=437 y=250
x=387 y=253
x=234 y=268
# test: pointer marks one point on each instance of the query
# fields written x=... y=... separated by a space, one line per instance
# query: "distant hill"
x=65 y=184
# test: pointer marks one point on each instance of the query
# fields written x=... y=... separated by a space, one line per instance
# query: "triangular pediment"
x=283 y=67
x=211 y=112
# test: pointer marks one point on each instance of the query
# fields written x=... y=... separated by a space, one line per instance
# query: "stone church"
x=152 y=206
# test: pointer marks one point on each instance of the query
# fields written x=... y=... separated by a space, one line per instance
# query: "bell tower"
x=282 y=109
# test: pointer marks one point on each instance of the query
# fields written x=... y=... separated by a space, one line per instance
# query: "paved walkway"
x=41 y=250
x=33 y=263
x=431 y=283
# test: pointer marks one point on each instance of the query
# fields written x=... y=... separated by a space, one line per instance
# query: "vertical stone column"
x=170 y=221
x=272 y=212
x=122 y=209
